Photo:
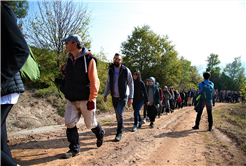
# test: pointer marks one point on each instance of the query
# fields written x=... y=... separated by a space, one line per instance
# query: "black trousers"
x=208 y=105
x=152 y=112
x=6 y=157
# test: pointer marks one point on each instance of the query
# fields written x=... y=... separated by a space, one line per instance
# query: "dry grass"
x=232 y=121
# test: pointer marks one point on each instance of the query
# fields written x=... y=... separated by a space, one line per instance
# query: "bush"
x=102 y=106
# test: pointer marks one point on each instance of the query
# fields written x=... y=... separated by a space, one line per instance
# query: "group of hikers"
x=81 y=85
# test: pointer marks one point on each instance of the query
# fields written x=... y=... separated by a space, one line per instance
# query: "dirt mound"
x=32 y=112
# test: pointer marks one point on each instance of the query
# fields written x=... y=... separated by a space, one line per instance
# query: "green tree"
x=55 y=20
x=213 y=61
x=236 y=72
x=20 y=8
x=152 y=54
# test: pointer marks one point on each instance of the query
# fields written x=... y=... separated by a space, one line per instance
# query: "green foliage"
x=48 y=67
x=154 y=55
x=231 y=77
x=20 y=8
x=54 y=21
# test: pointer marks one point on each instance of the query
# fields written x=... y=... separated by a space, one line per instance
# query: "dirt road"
x=170 y=142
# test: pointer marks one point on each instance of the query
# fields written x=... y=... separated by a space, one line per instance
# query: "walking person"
x=140 y=98
x=172 y=99
x=161 y=100
x=166 y=98
x=14 y=53
x=154 y=100
x=80 y=89
x=145 y=106
x=190 y=97
x=206 y=89
x=182 y=94
x=119 y=76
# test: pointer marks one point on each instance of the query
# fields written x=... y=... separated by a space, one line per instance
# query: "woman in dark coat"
x=140 y=97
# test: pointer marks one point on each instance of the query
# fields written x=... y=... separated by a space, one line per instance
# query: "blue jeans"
x=137 y=106
x=119 y=106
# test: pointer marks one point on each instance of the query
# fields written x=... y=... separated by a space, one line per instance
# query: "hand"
x=105 y=99
x=130 y=101
x=90 y=105
x=158 y=105
x=147 y=103
x=161 y=102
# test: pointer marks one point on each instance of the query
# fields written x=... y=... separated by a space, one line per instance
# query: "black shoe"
x=100 y=141
x=195 y=127
x=118 y=137
x=70 y=154
x=210 y=129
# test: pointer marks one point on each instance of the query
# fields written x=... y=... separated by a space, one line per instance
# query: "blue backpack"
x=207 y=91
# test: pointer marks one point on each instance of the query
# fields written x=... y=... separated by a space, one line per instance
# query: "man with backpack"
x=206 y=89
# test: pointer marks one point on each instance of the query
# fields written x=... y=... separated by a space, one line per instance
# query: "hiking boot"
x=140 y=124
x=144 y=120
x=118 y=137
x=134 y=128
x=70 y=154
x=100 y=141
x=152 y=125
x=195 y=127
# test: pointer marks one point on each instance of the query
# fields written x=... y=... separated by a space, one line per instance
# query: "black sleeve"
x=14 y=49
x=146 y=98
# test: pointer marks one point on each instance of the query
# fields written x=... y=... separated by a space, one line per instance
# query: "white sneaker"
x=167 y=113
x=144 y=121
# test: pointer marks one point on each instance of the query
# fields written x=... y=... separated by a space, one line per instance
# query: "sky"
x=196 y=28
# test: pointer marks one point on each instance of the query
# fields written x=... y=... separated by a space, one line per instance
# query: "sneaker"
x=70 y=154
x=100 y=141
x=144 y=120
x=148 y=118
x=195 y=127
x=134 y=128
x=167 y=113
x=140 y=124
x=118 y=137
x=152 y=125
x=210 y=129
x=161 y=114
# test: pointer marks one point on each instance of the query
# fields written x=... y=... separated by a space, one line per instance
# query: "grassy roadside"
x=231 y=120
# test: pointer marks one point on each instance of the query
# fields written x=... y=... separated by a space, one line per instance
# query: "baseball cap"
x=74 y=38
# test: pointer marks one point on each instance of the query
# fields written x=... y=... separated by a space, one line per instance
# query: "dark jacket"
x=121 y=81
x=156 y=96
x=166 y=98
x=140 y=92
x=77 y=84
x=14 y=52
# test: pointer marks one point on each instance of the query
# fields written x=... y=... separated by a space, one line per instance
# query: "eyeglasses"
x=117 y=59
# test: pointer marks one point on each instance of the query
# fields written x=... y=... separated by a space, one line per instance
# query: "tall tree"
x=55 y=20
x=213 y=61
x=236 y=72
x=152 y=54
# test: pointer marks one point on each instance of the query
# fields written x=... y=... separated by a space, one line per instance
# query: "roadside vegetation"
x=232 y=121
